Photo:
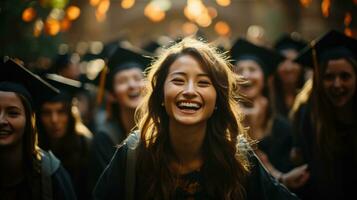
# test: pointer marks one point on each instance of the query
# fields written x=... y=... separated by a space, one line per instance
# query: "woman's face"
x=339 y=82
x=128 y=86
x=12 y=119
x=189 y=95
x=251 y=70
x=54 y=119
x=289 y=71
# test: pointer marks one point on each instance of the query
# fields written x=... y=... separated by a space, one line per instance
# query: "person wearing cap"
x=62 y=132
x=27 y=172
x=289 y=77
x=190 y=143
x=66 y=65
x=272 y=131
x=124 y=83
x=327 y=122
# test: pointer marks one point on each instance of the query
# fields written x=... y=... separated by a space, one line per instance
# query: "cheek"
x=120 y=91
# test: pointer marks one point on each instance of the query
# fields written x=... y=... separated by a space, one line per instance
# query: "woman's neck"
x=126 y=116
x=12 y=166
x=186 y=142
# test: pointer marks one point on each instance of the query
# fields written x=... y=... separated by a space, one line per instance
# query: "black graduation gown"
x=277 y=145
x=36 y=189
x=261 y=185
x=337 y=178
x=104 y=144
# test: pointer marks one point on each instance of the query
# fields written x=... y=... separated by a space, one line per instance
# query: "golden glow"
x=94 y=2
x=189 y=28
x=154 y=13
x=348 y=19
x=52 y=26
x=38 y=27
x=28 y=14
x=348 y=32
x=73 y=12
x=100 y=16
x=126 y=4
x=212 y=12
x=305 y=3
x=65 y=24
x=204 y=20
x=325 y=7
x=223 y=3
x=355 y=1
x=222 y=28
x=103 y=6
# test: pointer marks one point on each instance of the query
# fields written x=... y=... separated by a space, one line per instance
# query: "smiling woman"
x=26 y=171
x=191 y=143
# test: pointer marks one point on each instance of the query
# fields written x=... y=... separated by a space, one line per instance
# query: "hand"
x=296 y=178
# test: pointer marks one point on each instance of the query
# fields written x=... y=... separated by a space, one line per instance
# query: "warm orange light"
x=38 y=27
x=223 y=3
x=204 y=20
x=222 y=28
x=355 y=1
x=126 y=4
x=73 y=12
x=65 y=24
x=154 y=13
x=52 y=26
x=100 y=16
x=189 y=28
x=305 y=3
x=348 y=32
x=94 y=2
x=212 y=12
x=28 y=14
x=103 y=6
x=325 y=7
x=348 y=19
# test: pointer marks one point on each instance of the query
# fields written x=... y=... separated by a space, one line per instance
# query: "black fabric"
x=278 y=143
x=103 y=147
x=261 y=185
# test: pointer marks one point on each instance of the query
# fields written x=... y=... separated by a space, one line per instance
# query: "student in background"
x=27 y=172
x=124 y=81
x=62 y=132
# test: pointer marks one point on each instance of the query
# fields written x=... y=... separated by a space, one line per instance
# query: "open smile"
x=188 y=106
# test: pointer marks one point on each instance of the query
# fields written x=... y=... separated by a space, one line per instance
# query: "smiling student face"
x=189 y=95
x=339 y=82
x=12 y=119
x=128 y=86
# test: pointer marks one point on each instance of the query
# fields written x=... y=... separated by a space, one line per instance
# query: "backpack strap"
x=49 y=164
x=132 y=142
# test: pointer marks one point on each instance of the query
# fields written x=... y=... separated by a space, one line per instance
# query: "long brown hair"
x=327 y=138
x=30 y=148
x=225 y=167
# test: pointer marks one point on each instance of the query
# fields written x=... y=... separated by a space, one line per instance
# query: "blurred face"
x=288 y=70
x=339 y=82
x=12 y=119
x=254 y=74
x=189 y=95
x=128 y=85
x=54 y=119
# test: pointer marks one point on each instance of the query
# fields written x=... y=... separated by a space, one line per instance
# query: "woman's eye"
x=14 y=113
x=178 y=81
x=329 y=77
x=204 y=83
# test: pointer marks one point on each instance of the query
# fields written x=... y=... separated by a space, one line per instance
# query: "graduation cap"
x=289 y=41
x=68 y=87
x=332 y=45
x=18 y=79
x=267 y=59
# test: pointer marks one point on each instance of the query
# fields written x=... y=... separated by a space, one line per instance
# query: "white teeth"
x=190 y=105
